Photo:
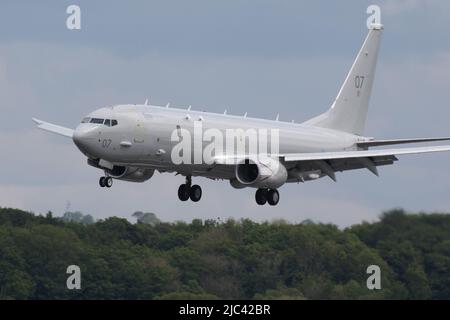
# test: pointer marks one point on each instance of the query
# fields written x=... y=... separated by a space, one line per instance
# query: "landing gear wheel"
x=108 y=182
x=195 y=193
x=183 y=192
x=102 y=182
x=273 y=197
x=261 y=196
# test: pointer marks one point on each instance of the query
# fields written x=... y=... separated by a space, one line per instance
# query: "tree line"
x=223 y=260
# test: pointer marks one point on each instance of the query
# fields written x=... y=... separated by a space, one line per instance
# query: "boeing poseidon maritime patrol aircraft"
x=130 y=142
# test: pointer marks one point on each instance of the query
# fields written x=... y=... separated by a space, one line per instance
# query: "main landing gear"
x=105 y=182
x=188 y=191
x=270 y=196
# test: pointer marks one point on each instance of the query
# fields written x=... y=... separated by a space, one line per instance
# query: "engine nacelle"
x=263 y=172
x=236 y=184
x=132 y=174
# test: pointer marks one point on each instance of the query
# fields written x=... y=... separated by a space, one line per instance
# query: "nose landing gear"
x=188 y=191
x=271 y=196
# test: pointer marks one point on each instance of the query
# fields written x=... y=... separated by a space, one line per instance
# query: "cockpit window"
x=106 y=122
x=97 y=120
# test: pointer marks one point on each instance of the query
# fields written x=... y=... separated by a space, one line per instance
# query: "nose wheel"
x=188 y=191
x=270 y=196
x=105 y=182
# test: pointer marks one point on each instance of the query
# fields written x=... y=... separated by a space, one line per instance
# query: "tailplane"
x=349 y=111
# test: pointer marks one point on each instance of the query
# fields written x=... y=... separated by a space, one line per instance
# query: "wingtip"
x=37 y=121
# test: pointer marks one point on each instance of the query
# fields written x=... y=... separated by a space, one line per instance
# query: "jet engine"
x=132 y=174
x=263 y=172
x=236 y=184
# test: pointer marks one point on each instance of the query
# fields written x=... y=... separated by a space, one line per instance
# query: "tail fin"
x=349 y=111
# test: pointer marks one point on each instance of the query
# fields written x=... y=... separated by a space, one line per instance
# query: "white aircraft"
x=130 y=142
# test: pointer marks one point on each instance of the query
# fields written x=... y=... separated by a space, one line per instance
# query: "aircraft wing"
x=362 y=154
x=63 y=131
x=330 y=162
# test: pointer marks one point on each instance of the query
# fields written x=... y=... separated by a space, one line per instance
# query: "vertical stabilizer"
x=349 y=111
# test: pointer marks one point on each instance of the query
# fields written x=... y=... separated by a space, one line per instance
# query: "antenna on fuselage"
x=245 y=115
x=168 y=105
x=146 y=102
x=225 y=112
x=189 y=108
x=278 y=117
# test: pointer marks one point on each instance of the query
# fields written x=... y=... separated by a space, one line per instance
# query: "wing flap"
x=53 y=128
x=340 y=165
x=378 y=143
x=352 y=164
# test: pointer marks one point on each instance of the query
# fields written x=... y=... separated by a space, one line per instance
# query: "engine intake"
x=247 y=172
x=263 y=172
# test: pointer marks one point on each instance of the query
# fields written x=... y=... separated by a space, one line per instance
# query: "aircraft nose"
x=79 y=135
x=82 y=136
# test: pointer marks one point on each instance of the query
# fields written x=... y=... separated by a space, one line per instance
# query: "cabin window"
x=114 y=123
x=108 y=123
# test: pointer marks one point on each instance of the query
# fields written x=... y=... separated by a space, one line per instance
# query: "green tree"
x=146 y=218
x=223 y=259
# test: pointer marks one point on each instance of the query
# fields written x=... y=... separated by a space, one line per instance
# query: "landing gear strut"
x=270 y=196
x=188 y=191
x=105 y=182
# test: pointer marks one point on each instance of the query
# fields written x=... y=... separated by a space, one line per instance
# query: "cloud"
x=410 y=96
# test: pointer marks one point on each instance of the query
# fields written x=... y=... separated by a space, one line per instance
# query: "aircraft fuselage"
x=146 y=135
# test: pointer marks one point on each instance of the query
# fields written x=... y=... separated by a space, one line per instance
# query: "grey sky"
x=263 y=57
